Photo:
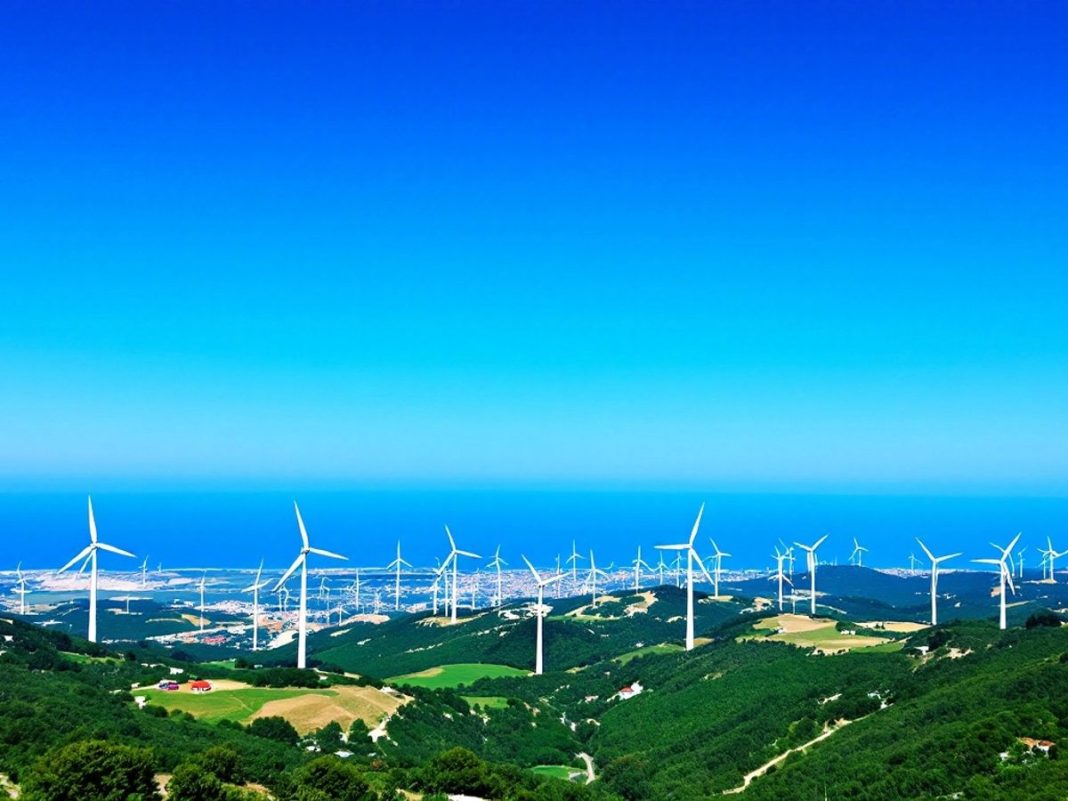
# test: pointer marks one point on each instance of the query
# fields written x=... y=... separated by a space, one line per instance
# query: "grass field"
x=564 y=772
x=487 y=701
x=455 y=675
x=663 y=648
x=306 y=709
x=814 y=632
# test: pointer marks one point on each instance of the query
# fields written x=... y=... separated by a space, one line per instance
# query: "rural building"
x=630 y=691
x=200 y=686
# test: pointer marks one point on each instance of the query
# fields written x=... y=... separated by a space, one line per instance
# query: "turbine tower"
x=691 y=556
x=718 y=556
x=397 y=563
x=454 y=554
x=810 y=555
x=497 y=563
x=1003 y=571
x=935 y=562
x=302 y=562
x=780 y=557
x=255 y=588
x=639 y=563
x=857 y=557
x=591 y=578
x=539 y=610
x=89 y=554
x=20 y=589
x=200 y=586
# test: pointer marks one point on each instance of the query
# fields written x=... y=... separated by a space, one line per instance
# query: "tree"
x=328 y=738
x=193 y=783
x=92 y=770
x=458 y=770
x=275 y=728
x=334 y=779
x=223 y=762
x=359 y=734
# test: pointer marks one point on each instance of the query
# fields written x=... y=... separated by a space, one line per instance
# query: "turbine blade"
x=82 y=554
x=92 y=521
x=820 y=541
x=113 y=549
x=452 y=542
x=941 y=559
x=288 y=573
x=300 y=525
x=468 y=553
x=683 y=547
x=1015 y=540
x=696 y=524
x=704 y=569
x=537 y=577
x=328 y=554
x=926 y=550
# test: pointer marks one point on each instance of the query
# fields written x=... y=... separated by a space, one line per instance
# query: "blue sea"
x=237 y=529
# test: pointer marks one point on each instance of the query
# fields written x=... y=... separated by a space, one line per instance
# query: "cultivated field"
x=306 y=709
x=663 y=648
x=565 y=772
x=815 y=632
x=455 y=675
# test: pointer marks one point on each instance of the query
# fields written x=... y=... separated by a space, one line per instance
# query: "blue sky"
x=736 y=245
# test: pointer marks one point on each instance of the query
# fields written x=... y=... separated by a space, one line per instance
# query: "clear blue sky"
x=738 y=244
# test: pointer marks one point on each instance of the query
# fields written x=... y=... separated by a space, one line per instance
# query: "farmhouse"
x=1037 y=746
x=200 y=686
x=630 y=691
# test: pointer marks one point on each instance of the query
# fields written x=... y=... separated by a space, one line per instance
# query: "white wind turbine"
x=780 y=557
x=912 y=562
x=1003 y=571
x=1052 y=556
x=355 y=590
x=20 y=589
x=639 y=563
x=591 y=578
x=539 y=610
x=810 y=554
x=1020 y=563
x=454 y=553
x=718 y=568
x=89 y=554
x=560 y=573
x=573 y=560
x=660 y=567
x=200 y=586
x=144 y=573
x=857 y=557
x=397 y=563
x=691 y=556
x=255 y=588
x=302 y=562
x=436 y=586
x=497 y=563
x=935 y=562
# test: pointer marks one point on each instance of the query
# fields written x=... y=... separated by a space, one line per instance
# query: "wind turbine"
x=497 y=563
x=660 y=569
x=144 y=573
x=935 y=562
x=691 y=556
x=1020 y=562
x=20 y=589
x=1053 y=555
x=255 y=588
x=573 y=560
x=560 y=573
x=677 y=563
x=397 y=563
x=718 y=556
x=780 y=557
x=591 y=578
x=200 y=586
x=89 y=554
x=810 y=553
x=302 y=562
x=438 y=574
x=639 y=563
x=355 y=589
x=858 y=553
x=539 y=610
x=1003 y=570
x=454 y=553
x=912 y=562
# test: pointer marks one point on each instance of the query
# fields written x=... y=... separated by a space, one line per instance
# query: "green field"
x=487 y=701
x=236 y=705
x=558 y=771
x=663 y=648
x=456 y=675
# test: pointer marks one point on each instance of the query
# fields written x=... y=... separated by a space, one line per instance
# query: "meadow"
x=458 y=675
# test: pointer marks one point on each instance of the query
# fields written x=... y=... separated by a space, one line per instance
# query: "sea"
x=236 y=529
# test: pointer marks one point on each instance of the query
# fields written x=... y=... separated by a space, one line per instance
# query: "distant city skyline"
x=725 y=248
